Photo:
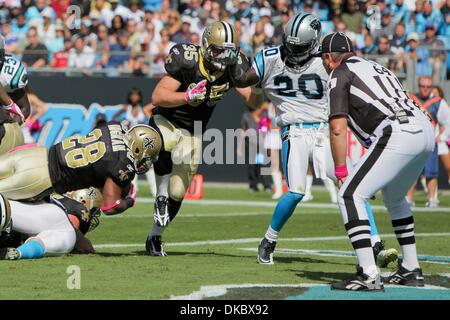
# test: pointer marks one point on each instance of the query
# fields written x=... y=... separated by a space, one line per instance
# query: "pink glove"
x=197 y=94
x=14 y=109
x=34 y=126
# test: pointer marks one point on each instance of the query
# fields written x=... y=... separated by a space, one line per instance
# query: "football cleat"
x=9 y=254
x=161 y=211
x=265 y=251
x=360 y=282
x=154 y=246
x=404 y=277
x=307 y=197
x=384 y=256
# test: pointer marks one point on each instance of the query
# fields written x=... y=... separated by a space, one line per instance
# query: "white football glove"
x=197 y=94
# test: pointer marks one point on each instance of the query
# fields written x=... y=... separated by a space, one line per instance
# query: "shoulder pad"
x=181 y=57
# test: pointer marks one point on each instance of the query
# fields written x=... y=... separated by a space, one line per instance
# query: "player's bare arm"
x=338 y=141
x=166 y=95
x=20 y=97
x=254 y=99
x=113 y=200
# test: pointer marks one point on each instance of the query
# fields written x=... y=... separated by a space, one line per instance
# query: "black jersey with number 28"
x=87 y=161
x=185 y=64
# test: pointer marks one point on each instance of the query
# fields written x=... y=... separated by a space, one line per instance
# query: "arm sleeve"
x=258 y=65
x=338 y=92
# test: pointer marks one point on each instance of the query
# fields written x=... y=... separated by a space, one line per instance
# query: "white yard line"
x=253 y=240
x=272 y=204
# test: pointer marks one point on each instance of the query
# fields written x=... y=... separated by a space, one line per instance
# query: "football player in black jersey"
x=107 y=158
x=197 y=78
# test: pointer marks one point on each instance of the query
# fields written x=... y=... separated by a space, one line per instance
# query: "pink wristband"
x=341 y=171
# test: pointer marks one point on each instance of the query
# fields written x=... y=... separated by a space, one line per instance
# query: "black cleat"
x=9 y=254
x=384 y=256
x=154 y=246
x=265 y=251
x=360 y=282
x=404 y=277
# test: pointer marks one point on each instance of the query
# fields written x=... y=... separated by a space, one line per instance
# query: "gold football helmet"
x=5 y=213
x=145 y=144
x=220 y=45
x=91 y=197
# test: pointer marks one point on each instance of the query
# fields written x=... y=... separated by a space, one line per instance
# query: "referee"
x=369 y=99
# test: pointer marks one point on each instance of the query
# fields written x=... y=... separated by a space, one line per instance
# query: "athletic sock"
x=374 y=236
x=329 y=185
x=32 y=249
x=309 y=181
x=284 y=209
x=359 y=233
x=404 y=230
x=271 y=235
x=277 y=181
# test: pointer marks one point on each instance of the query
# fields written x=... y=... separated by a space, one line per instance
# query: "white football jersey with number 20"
x=298 y=96
x=13 y=75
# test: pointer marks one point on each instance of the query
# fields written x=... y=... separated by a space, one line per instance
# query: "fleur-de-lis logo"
x=149 y=143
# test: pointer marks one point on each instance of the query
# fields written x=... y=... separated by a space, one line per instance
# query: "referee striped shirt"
x=366 y=93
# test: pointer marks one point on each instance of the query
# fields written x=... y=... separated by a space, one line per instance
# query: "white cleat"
x=307 y=197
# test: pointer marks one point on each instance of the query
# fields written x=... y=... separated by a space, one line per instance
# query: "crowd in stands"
x=135 y=35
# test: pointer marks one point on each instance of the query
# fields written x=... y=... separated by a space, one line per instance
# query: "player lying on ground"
x=294 y=79
x=106 y=158
x=56 y=225
x=197 y=78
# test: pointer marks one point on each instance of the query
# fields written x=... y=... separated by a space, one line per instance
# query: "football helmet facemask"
x=220 y=45
x=301 y=38
x=145 y=145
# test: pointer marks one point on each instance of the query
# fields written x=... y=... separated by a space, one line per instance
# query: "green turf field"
x=212 y=254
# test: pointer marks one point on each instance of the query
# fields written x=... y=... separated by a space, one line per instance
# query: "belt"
x=401 y=116
x=305 y=125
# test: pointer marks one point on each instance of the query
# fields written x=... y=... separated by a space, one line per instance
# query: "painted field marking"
x=348 y=254
x=254 y=240
x=221 y=290
x=272 y=204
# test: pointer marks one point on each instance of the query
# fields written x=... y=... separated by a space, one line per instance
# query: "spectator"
x=81 y=56
x=400 y=12
x=148 y=38
x=444 y=29
x=199 y=24
x=60 y=7
x=436 y=53
x=352 y=17
x=279 y=30
x=90 y=38
x=19 y=26
x=369 y=45
x=165 y=10
x=61 y=58
x=46 y=31
x=416 y=59
x=195 y=39
x=193 y=8
x=35 y=54
x=398 y=41
x=383 y=50
x=134 y=38
x=120 y=52
x=161 y=49
x=244 y=13
x=215 y=12
x=117 y=25
x=139 y=66
x=119 y=10
x=57 y=43
x=136 y=13
x=427 y=17
x=175 y=23
x=153 y=5
x=184 y=34
x=34 y=13
x=102 y=38
x=387 y=26
x=11 y=39
x=257 y=41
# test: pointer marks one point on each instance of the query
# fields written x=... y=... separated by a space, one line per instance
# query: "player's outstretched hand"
x=197 y=94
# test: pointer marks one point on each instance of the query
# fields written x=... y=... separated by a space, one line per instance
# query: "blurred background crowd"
x=133 y=36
